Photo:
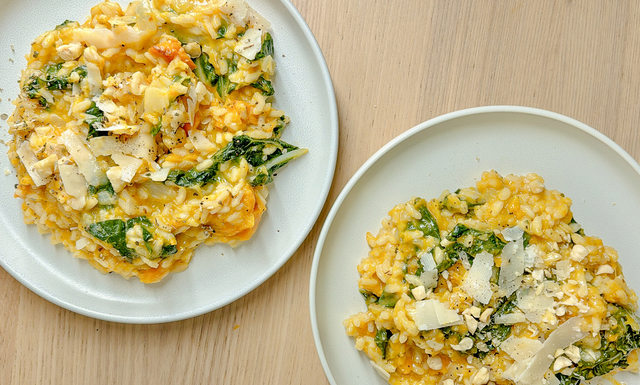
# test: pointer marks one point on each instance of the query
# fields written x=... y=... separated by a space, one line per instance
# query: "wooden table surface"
x=394 y=64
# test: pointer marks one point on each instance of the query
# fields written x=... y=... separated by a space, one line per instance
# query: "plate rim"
x=337 y=204
x=333 y=140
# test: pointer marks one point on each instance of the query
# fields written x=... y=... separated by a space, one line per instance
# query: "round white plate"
x=450 y=152
x=217 y=274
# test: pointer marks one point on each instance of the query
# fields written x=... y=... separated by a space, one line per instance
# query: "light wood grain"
x=394 y=64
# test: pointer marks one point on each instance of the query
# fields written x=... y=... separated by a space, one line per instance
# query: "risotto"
x=145 y=132
x=493 y=284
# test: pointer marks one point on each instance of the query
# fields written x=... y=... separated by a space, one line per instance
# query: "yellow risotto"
x=145 y=132
x=493 y=284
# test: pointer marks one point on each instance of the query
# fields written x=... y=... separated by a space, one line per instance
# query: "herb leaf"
x=114 y=232
x=264 y=85
x=95 y=120
x=620 y=341
x=427 y=223
x=382 y=341
x=267 y=47
x=265 y=155
x=205 y=71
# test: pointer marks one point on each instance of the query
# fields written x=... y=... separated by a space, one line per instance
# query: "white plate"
x=217 y=275
x=449 y=152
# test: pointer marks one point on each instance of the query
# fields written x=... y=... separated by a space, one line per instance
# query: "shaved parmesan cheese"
x=129 y=166
x=129 y=36
x=106 y=105
x=200 y=141
x=256 y=20
x=87 y=163
x=532 y=256
x=563 y=270
x=512 y=233
x=429 y=278
x=426 y=258
x=534 y=306
x=521 y=348
x=97 y=37
x=141 y=145
x=464 y=259
x=447 y=316
x=155 y=101
x=383 y=373
x=250 y=44
x=160 y=175
x=236 y=9
x=419 y=293
x=565 y=335
x=115 y=177
x=510 y=319
x=74 y=183
x=29 y=160
x=477 y=284
x=432 y=314
x=94 y=78
x=512 y=267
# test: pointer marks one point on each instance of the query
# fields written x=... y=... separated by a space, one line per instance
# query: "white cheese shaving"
x=129 y=166
x=565 y=335
x=427 y=260
x=29 y=159
x=115 y=177
x=200 y=141
x=87 y=163
x=533 y=257
x=432 y=314
x=419 y=293
x=106 y=105
x=520 y=348
x=512 y=267
x=383 y=373
x=512 y=233
x=250 y=43
x=154 y=101
x=510 y=319
x=464 y=259
x=429 y=278
x=563 y=270
x=74 y=183
x=94 y=78
x=141 y=145
x=476 y=283
x=256 y=20
x=236 y=9
x=534 y=306
x=97 y=37
x=160 y=175
x=46 y=166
